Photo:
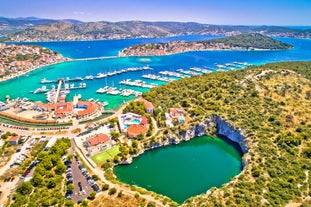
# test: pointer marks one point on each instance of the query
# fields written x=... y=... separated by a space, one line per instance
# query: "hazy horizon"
x=221 y=12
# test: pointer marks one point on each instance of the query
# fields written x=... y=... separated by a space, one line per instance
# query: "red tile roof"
x=135 y=130
x=91 y=107
x=101 y=138
x=144 y=120
x=64 y=107
x=14 y=138
x=148 y=104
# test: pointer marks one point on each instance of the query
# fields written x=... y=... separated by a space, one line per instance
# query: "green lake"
x=184 y=170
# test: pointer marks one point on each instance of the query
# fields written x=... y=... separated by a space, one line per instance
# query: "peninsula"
x=16 y=60
x=253 y=41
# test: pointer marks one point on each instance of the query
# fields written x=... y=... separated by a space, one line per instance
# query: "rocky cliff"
x=223 y=128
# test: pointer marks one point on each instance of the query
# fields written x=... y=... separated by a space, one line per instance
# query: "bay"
x=21 y=87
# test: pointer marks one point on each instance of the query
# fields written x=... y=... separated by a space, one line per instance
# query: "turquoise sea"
x=20 y=87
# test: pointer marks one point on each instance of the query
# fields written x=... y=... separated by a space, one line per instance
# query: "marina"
x=98 y=76
x=173 y=74
x=156 y=77
x=188 y=72
x=137 y=83
x=114 y=91
x=200 y=70
x=67 y=86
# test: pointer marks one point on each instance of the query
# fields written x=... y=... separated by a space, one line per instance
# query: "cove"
x=183 y=170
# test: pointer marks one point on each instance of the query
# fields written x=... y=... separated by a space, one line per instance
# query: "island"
x=253 y=41
x=16 y=60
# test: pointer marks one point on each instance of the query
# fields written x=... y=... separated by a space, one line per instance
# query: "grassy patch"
x=107 y=154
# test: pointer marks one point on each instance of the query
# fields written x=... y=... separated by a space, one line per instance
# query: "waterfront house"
x=98 y=143
x=136 y=130
x=178 y=113
x=149 y=106
x=13 y=140
x=128 y=119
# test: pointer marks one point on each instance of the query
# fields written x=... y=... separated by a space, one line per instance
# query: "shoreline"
x=205 y=50
x=21 y=73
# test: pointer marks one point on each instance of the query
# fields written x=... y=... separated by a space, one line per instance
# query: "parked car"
x=96 y=188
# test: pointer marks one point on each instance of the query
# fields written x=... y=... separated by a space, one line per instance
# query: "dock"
x=187 y=72
x=156 y=77
x=137 y=83
x=98 y=76
x=172 y=74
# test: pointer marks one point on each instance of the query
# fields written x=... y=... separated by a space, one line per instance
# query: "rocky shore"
x=223 y=128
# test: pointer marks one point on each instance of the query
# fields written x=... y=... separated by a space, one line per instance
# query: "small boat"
x=101 y=90
x=100 y=75
x=44 y=80
x=89 y=77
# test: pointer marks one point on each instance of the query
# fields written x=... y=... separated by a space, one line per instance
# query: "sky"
x=235 y=12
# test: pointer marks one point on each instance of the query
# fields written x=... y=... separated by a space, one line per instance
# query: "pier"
x=98 y=76
x=94 y=58
x=137 y=83
x=156 y=77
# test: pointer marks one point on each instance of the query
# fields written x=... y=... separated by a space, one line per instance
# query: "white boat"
x=113 y=91
x=44 y=80
x=100 y=75
x=89 y=77
x=43 y=89
x=101 y=90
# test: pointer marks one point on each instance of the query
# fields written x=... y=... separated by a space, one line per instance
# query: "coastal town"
x=240 y=42
x=16 y=60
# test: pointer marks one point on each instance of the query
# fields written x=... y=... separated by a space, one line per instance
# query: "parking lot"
x=81 y=179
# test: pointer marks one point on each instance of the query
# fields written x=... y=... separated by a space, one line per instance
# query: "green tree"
x=51 y=183
x=92 y=195
x=115 y=136
x=70 y=186
x=112 y=191
x=69 y=203
x=120 y=194
x=95 y=177
x=116 y=159
x=112 y=121
x=105 y=187
x=25 y=188
x=60 y=168
x=69 y=157
x=37 y=180
x=84 y=203
x=123 y=150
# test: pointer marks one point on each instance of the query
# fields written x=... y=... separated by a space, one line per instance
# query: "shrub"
x=112 y=191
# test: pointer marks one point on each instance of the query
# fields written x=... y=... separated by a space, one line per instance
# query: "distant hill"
x=36 y=29
x=12 y=25
x=251 y=41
